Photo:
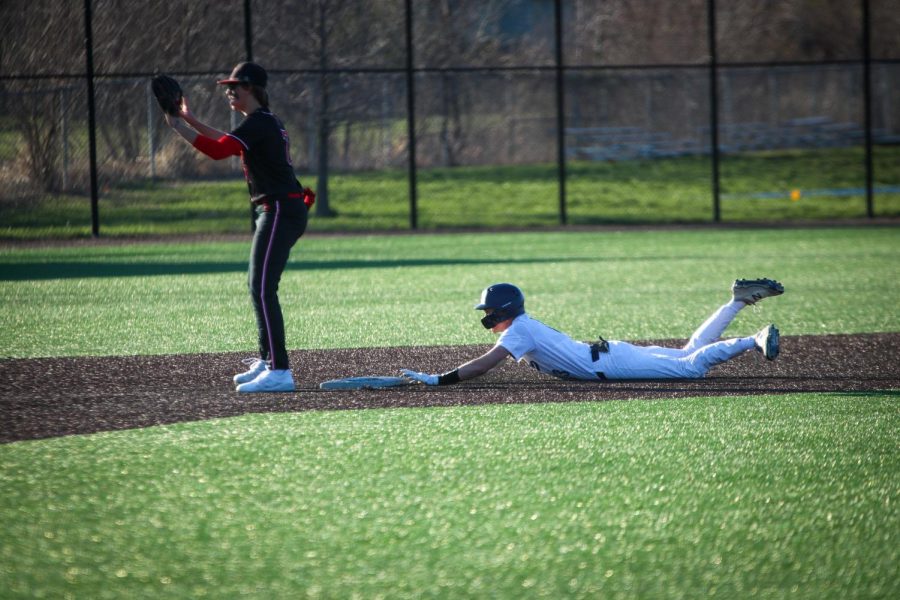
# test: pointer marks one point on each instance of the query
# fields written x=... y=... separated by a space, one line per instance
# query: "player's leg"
x=626 y=361
x=702 y=352
x=712 y=329
x=629 y=361
x=699 y=362
x=277 y=232
x=254 y=280
x=766 y=341
x=286 y=229
x=273 y=319
x=663 y=351
x=743 y=292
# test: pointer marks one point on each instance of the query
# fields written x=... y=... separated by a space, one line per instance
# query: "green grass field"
x=772 y=496
x=763 y=496
x=376 y=291
x=659 y=191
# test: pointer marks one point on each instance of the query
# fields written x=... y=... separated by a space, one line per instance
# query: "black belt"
x=273 y=198
x=597 y=348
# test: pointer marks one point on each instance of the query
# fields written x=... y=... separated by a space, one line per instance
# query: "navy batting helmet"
x=506 y=300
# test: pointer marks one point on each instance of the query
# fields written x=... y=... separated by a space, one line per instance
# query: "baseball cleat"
x=751 y=291
x=277 y=380
x=256 y=365
x=767 y=341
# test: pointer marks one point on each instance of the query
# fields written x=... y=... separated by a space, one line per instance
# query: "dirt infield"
x=50 y=397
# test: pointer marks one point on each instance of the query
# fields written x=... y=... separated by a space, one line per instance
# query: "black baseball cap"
x=247 y=72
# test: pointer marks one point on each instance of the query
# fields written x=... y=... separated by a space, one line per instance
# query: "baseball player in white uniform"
x=555 y=353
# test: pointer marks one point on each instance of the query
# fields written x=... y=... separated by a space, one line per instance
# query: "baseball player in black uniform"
x=281 y=205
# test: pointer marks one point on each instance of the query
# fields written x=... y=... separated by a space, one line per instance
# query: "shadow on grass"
x=876 y=393
x=29 y=271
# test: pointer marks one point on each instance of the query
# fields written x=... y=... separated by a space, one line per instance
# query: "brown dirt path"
x=50 y=397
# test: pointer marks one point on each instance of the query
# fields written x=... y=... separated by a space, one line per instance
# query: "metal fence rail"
x=558 y=110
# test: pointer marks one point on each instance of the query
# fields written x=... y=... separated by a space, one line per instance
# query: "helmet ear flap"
x=492 y=320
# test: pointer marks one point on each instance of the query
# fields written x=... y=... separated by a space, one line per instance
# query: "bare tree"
x=34 y=105
x=795 y=30
x=39 y=125
x=464 y=34
x=327 y=45
x=346 y=34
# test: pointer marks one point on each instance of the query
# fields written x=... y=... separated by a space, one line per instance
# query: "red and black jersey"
x=266 y=155
x=265 y=151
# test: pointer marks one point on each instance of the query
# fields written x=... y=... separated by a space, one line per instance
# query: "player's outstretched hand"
x=425 y=378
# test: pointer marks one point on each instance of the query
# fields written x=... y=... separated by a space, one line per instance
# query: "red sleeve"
x=218 y=149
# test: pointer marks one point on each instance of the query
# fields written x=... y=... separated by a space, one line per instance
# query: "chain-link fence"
x=475 y=113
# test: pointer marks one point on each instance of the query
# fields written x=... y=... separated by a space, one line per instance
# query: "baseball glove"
x=168 y=94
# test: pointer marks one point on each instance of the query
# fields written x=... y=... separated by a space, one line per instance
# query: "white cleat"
x=768 y=342
x=279 y=380
x=256 y=365
x=751 y=291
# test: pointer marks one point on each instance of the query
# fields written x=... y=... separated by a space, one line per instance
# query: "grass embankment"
x=661 y=191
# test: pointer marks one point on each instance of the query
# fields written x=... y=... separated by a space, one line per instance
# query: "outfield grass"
x=660 y=191
x=345 y=292
x=773 y=496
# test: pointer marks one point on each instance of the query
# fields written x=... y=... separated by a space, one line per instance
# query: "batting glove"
x=425 y=378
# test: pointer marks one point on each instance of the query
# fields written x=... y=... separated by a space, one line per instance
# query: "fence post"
x=64 y=130
x=867 y=106
x=560 y=112
x=713 y=105
x=151 y=129
x=411 y=117
x=92 y=116
x=248 y=48
x=248 y=30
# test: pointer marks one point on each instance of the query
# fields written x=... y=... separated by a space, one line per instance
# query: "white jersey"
x=554 y=353
x=548 y=350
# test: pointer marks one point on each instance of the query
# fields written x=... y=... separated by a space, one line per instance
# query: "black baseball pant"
x=279 y=224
